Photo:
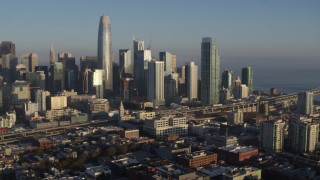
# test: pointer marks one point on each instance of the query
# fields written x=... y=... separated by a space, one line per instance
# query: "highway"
x=18 y=136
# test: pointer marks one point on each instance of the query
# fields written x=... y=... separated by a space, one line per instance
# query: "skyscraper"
x=191 y=80
x=174 y=63
x=7 y=47
x=52 y=55
x=125 y=63
x=104 y=51
x=247 y=78
x=210 y=72
x=305 y=103
x=166 y=57
x=272 y=135
x=30 y=61
x=227 y=79
x=302 y=135
x=141 y=68
x=156 y=82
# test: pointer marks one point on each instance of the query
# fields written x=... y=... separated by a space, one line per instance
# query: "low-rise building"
x=130 y=133
x=236 y=154
x=243 y=173
x=220 y=141
x=197 y=159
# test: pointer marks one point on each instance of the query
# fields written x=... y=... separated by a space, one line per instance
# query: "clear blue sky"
x=248 y=32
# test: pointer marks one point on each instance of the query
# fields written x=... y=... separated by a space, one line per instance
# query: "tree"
x=111 y=151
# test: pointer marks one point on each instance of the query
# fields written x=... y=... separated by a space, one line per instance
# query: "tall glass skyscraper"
x=210 y=72
x=247 y=78
x=104 y=51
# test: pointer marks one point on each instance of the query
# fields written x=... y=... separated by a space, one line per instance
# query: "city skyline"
x=257 y=39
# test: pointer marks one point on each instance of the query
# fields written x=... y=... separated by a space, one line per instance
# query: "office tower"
x=9 y=63
x=52 y=55
x=174 y=63
x=86 y=63
x=305 y=103
x=181 y=82
x=126 y=87
x=41 y=99
x=210 y=72
x=170 y=90
x=125 y=63
x=116 y=80
x=98 y=83
x=191 y=82
x=175 y=76
x=5 y=97
x=70 y=71
x=302 y=135
x=225 y=95
x=57 y=77
x=166 y=57
x=140 y=78
x=87 y=81
x=20 y=91
x=7 y=47
x=36 y=79
x=64 y=55
x=156 y=82
x=247 y=78
x=227 y=79
x=46 y=73
x=30 y=61
x=137 y=46
x=272 y=135
x=21 y=71
x=237 y=88
x=105 y=52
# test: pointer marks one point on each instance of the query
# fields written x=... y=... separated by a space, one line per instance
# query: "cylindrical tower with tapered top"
x=104 y=51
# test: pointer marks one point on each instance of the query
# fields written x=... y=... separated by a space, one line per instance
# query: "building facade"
x=210 y=72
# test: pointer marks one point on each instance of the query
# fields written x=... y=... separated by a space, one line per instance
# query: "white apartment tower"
x=191 y=72
x=156 y=82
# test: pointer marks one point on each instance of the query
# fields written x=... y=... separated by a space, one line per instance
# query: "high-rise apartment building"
x=125 y=63
x=156 y=82
x=247 y=78
x=210 y=72
x=105 y=52
x=191 y=82
x=303 y=135
x=166 y=57
x=272 y=135
x=305 y=103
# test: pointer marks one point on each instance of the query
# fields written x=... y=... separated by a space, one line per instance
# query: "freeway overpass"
x=18 y=136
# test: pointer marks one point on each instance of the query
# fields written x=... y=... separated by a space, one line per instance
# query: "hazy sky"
x=248 y=32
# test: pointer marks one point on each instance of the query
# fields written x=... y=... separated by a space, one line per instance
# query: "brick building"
x=197 y=159
x=236 y=154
